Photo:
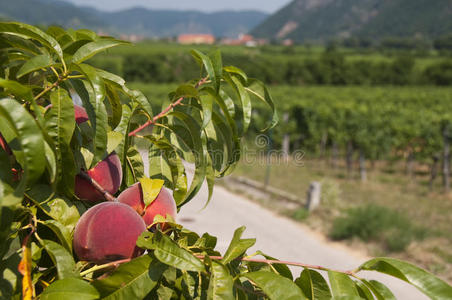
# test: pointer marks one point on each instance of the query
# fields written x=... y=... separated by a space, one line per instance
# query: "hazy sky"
x=203 y=5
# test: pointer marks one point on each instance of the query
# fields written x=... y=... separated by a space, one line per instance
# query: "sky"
x=202 y=5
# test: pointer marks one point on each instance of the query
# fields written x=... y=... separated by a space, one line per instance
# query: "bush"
x=376 y=223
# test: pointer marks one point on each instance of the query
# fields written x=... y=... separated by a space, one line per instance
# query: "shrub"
x=373 y=222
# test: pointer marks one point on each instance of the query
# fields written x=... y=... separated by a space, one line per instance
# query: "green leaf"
x=221 y=283
x=206 y=102
x=217 y=64
x=426 y=282
x=60 y=125
x=275 y=286
x=62 y=232
x=31 y=32
x=381 y=291
x=237 y=246
x=342 y=285
x=364 y=291
x=70 y=289
x=36 y=63
x=168 y=252
x=90 y=49
x=30 y=138
x=207 y=63
x=245 y=100
x=235 y=70
x=62 y=258
x=93 y=96
x=313 y=285
x=132 y=280
x=260 y=91
x=17 y=89
x=135 y=168
x=114 y=140
x=151 y=189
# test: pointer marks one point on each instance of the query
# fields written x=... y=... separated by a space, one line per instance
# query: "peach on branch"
x=107 y=173
x=108 y=232
x=163 y=205
x=80 y=114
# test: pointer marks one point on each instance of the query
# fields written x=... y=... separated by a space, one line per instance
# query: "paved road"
x=276 y=236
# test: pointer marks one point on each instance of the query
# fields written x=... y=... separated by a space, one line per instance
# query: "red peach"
x=107 y=232
x=162 y=205
x=80 y=114
x=108 y=173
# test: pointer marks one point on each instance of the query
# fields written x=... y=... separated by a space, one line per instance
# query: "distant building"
x=132 y=38
x=196 y=39
x=244 y=40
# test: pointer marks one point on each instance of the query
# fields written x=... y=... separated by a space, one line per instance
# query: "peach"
x=107 y=232
x=108 y=173
x=162 y=205
x=80 y=114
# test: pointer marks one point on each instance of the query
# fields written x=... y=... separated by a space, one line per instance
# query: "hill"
x=320 y=20
x=140 y=21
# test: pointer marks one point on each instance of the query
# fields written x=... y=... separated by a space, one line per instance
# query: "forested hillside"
x=138 y=21
x=320 y=20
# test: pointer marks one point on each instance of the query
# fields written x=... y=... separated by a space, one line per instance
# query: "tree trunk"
x=334 y=155
x=446 y=159
x=433 y=171
x=362 y=166
x=349 y=158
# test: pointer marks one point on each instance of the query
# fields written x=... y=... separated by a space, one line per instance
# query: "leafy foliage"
x=44 y=148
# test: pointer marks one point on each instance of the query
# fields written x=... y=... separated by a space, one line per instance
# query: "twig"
x=97 y=186
x=165 y=111
x=104 y=266
x=282 y=262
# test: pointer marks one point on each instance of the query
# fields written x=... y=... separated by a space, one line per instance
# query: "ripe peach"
x=107 y=232
x=162 y=205
x=108 y=173
x=80 y=114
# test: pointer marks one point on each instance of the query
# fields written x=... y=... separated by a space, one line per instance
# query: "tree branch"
x=165 y=111
x=97 y=186
x=282 y=262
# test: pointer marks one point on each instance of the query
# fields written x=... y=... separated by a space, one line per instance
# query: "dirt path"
x=276 y=236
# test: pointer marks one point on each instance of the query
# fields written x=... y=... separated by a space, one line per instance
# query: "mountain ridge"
x=137 y=20
x=321 y=20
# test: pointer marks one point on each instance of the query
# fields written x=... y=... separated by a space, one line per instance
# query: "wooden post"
x=286 y=138
x=410 y=165
x=334 y=155
x=446 y=159
x=433 y=171
x=362 y=166
x=314 y=195
x=349 y=158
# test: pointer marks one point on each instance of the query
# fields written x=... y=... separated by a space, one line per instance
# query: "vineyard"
x=411 y=125
x=298 y=65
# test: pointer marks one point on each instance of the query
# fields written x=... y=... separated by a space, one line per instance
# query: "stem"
x=282 y=262
x=165 y=111
x=104 y=266
x=98 y=187
x=50 y=87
